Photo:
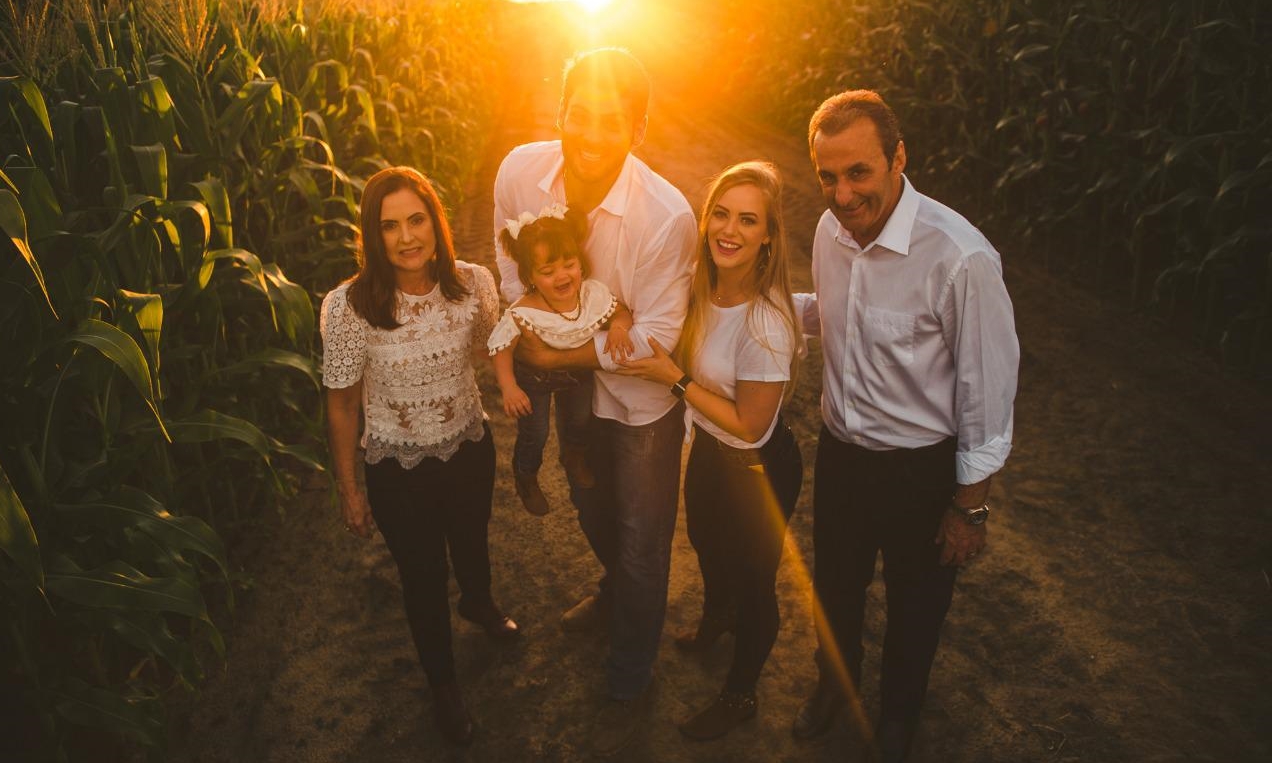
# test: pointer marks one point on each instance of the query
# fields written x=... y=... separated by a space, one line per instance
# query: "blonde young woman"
x=734 y=365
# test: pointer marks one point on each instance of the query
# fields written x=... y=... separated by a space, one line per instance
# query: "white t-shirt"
x=736 y=348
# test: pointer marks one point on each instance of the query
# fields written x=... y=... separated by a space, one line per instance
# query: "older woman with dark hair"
x=735 y=364
x=399 y=340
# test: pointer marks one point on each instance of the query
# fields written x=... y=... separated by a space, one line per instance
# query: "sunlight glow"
x=592 y=7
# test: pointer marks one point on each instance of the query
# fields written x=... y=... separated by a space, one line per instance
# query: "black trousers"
x=737 y=505
x=420 y=512
x=866 y=502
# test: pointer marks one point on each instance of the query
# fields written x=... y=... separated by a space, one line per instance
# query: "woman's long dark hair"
x=373 y=291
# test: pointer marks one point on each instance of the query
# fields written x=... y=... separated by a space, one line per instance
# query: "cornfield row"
x=1125 y=144
x=179 y=177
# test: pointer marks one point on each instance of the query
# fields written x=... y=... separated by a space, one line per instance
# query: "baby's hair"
x=563 y=239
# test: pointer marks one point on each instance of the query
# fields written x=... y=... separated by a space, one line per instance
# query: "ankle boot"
x=818 y=711
x=710 y=629
x=450 y=713
x=532 y=497
x=729 y=710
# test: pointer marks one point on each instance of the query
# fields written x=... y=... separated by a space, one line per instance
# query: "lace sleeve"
x=487 y=300
x=344 y=341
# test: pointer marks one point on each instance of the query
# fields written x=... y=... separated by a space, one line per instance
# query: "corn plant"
x=164 y=172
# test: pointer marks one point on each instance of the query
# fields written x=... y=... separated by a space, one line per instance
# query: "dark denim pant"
x=737 y=505
x=420 y=512
x=866 y=502
x=573 y=392
x=629 y=518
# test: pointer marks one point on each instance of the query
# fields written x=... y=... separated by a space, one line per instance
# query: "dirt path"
x=1122 y=614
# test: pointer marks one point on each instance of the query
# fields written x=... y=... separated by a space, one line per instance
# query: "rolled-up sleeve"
x=806 y=313
x=509 y=282
x=661 y=294
x=980 y=329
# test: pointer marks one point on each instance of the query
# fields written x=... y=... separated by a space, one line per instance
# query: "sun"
x=592 y=7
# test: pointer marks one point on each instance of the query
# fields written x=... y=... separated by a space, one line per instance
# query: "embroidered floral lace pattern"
x=419 y=393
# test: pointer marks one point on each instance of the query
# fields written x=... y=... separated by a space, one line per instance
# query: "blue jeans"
x=573 y=392
x=629 y=518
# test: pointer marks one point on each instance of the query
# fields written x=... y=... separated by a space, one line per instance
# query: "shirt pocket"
x=889 y=336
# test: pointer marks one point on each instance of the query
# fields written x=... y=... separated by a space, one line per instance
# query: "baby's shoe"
x=531 y=496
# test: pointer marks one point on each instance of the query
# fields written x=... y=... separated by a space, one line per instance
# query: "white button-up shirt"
x=918 y=336
x=640 y=242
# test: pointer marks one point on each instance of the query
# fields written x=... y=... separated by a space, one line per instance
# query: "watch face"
x=977 y=515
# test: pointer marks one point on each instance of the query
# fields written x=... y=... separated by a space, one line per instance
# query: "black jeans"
x=422 y=510
x=737 y=505
x=866 y=502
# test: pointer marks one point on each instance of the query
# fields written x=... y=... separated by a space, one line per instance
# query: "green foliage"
x=173 y=189
x=1125 y=144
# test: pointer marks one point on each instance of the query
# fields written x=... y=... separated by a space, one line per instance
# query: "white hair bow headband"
x=526 y=218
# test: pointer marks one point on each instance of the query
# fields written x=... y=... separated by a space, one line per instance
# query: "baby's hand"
x=618 y=343
x=516 y=403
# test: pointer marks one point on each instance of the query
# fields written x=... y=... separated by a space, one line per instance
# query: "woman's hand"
x=516 y=403
x=356 y=511
x=618 y=343
x=659 y=368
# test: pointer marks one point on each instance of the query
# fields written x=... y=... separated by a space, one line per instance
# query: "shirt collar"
x=615 y=202
x=896 y=232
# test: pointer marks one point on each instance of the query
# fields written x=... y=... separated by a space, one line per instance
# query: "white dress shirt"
x=918 y=336
x=640 y=243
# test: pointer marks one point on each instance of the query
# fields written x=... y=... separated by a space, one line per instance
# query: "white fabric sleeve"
x=765 y=347
x=509 y=282
x=344 y=340
x=980 y=329
x=807 y=313
x=661 y=298
x=504 y=334
x=484 y=293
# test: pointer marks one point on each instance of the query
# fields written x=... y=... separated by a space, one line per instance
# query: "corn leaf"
x=90 y=706
x=275 y=358
x=208 y=425
x=130 y=507
x=13 y=222
x=123 y=351
x=217 y=201
x=17 y=537
x=116 y=585
x=152 y=167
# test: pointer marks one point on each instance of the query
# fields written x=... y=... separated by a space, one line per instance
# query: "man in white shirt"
x=920 y=359
x=641 y=238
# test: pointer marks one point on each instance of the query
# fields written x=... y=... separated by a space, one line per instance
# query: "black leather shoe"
x=729 y=711
x=709 y=631
x=818 y=712
x=450 y=713
x=893 y=740
x=497 y=625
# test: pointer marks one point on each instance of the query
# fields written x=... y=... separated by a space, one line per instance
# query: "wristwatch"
x=681 y=387
x=975 y=515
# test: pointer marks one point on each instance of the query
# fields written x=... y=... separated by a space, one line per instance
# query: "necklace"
x=724 y=301
x=578 y=310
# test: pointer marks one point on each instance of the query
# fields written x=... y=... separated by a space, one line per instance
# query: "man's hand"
x=959 y=541
x=534 y=352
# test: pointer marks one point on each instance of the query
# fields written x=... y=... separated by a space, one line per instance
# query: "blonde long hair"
x=772 y=281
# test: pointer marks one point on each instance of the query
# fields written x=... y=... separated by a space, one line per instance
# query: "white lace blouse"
x=596 y=305
x=419 y=393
